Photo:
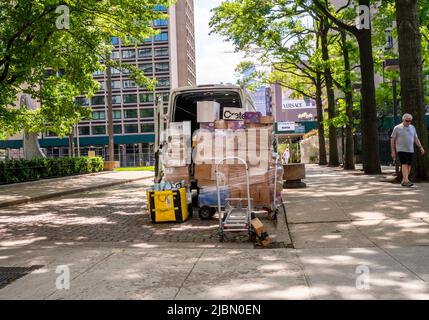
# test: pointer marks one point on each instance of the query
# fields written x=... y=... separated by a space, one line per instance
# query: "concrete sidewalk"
x=198 y=272
x=18 y=193
x=341 y=209
x=355 y=237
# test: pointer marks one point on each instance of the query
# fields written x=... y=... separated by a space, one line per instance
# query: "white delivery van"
x=182 y=106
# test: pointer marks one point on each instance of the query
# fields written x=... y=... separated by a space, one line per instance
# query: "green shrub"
x=13 y=171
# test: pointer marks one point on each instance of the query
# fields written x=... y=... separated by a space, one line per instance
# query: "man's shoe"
x=409 y=184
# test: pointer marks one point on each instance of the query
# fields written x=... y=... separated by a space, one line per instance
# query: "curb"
x=66 y=192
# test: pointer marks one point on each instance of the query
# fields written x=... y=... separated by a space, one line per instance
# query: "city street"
x=113 y=250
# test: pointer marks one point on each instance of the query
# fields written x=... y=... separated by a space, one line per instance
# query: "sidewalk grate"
x=11 y=274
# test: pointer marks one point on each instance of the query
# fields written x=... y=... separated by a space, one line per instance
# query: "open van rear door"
x=160 y=136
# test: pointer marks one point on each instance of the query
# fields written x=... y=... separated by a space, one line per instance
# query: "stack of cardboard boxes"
x=248 y=136
x=250 y=139
x=177 y=152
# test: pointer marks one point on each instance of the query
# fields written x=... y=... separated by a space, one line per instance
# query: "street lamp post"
x=110 y=113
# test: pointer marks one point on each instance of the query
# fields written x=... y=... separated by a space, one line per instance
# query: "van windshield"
x=185 y=104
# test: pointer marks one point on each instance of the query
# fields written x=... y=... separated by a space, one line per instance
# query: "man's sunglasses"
x=408 y=120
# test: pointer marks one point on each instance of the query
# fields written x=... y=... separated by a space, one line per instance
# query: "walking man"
x=402 y=141
x=286 y=156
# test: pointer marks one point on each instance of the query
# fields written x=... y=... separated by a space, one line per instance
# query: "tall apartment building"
x=168 y=57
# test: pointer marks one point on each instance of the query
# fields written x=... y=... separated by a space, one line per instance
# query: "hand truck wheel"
x=273 y=214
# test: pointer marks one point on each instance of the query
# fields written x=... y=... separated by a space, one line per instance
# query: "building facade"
x=263 y=100
x=168 y=57
x=288 y=109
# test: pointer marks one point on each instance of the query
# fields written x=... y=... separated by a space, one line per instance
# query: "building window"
x=98 y=73
x=131 y=128
x=98 y=130
x=116 y=99
x=116 y=84
x=115 y=54
x=161 y=67
x=129 y=84
x=98 y=115
x=115 y=71
x=83 y=131
x=97 y=100
x=160 y=22
x=146 y=97
x=114 y=40
x=146 y=68
x=116 y=114
x=146 y=113
x=130 y=98
x=163 y=82
x=128 y=54
x=130 y=114
x=145 y=53
x=165 y=96
x=81 y=101
x=147 y=127
x=117 y=129
x=163 y=36
x=161 y=52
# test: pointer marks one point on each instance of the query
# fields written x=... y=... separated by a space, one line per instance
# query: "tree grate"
x=11 y=274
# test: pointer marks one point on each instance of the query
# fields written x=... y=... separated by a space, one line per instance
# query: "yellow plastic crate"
x=168 y=205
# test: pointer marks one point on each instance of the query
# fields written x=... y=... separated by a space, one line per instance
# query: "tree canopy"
x=53 y=62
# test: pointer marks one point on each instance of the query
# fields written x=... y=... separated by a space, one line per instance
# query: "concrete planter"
x=292 y=175
x=111 y=165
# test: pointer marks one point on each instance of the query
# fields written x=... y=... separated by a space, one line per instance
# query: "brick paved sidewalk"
x=18 y=193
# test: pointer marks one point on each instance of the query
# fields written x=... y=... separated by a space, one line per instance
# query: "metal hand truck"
x=234 y=219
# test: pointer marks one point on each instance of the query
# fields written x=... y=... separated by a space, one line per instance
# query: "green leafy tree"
x=280 y=34
x=35 y=38
x=371 y=155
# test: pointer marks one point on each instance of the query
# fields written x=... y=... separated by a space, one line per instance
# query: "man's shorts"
x=405 y=157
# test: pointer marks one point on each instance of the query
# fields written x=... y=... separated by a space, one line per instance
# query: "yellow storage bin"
x=168 y=205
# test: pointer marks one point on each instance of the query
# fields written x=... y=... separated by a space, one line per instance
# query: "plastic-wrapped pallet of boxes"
x=177 y=152
x=254 y=145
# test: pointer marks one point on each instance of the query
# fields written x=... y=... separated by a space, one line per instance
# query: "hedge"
x=13 y=171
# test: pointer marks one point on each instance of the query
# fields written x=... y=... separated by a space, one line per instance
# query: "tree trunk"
x=333 y=147
x=71 y=145
x=412 y=89
x=349 y=163
x=320 y=126
x=370 y=144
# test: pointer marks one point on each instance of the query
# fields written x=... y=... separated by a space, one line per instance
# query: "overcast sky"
x=215 y=60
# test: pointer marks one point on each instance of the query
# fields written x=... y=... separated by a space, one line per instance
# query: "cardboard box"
x=258 y=226
x=207 y=126
x=258 y=139
x=180 y=129
x=252 y=117
x=207 y=111
x=177 y=174
x=267 y=120
x=206 y=183
x=235 y=124
x=266 y=242
x=208 y=171
x=220 y=124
